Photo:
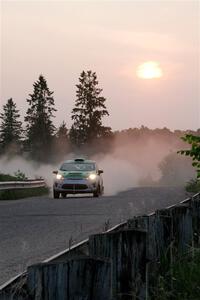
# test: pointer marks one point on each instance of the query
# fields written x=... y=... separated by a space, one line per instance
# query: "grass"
x=182 y=282
x=17 y=176
x=193 y=186
x=7 y=177
x=20 y=193
x=23 y=193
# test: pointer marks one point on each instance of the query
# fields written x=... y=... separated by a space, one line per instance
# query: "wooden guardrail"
x=118 y=264
x=7 y=290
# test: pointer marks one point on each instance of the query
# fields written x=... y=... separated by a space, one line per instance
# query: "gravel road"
x=34 y=229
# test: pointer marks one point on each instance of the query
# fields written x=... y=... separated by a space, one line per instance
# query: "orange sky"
x=61 y=38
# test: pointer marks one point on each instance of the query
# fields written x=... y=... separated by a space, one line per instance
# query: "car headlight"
x=59 y=176
x=92 y=176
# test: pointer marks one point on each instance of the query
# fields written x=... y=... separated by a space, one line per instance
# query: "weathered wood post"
x=195 y=206
x=77 y=279
x=179 y=230
x=164 y=228
x=169 y=234
x=149 y=223
x=127 y=251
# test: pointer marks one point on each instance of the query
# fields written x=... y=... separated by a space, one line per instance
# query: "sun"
x=149 y=70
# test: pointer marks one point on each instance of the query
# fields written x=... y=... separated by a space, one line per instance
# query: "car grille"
x=74 y=186
x=74 y=176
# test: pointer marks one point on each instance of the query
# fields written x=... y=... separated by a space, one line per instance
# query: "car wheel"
x=64 y=195
x=56 y=194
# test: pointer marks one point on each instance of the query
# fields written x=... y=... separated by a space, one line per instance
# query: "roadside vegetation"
x=194 y=153
x=193 y=186
x=181 y=281
x=7 y=177
x=23 y=193
x=17 y=176
x=20 y=193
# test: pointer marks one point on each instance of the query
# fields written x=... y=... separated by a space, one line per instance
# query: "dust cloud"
x=126 y=165
x=119 y=175
x=32 y=170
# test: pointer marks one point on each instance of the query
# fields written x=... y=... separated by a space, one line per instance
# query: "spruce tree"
x=40 y=128
x=61 y=141
x=62 y=132
x=88 y=112
x=10 y=127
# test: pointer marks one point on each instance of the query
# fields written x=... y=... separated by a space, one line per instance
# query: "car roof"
x=79 y=160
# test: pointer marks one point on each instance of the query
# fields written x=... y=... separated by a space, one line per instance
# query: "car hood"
x=75 y=174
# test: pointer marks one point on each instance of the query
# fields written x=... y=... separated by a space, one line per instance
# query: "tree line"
x=40 y=138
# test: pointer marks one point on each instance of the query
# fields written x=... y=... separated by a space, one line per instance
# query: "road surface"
x=34 y=229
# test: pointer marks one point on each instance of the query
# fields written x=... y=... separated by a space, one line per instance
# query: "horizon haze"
x=59 y=39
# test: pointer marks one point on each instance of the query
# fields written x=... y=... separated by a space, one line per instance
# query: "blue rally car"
x=78 y=176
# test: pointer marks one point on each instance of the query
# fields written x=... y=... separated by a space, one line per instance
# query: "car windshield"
x=78 y=167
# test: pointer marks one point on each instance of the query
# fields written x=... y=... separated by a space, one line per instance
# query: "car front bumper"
x=75 y=186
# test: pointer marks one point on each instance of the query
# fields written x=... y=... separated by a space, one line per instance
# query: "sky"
x=59 y=39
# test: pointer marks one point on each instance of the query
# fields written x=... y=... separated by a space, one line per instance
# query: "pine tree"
x=61 y=141
x=40 y=128
x=88 y=111
x=10 y=128
x=62 y=132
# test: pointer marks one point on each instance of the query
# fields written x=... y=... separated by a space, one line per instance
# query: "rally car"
x=76 y=177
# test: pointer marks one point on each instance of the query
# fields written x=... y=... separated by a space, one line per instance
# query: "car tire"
x=64 y=195
x=56 y=194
